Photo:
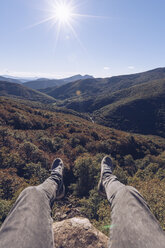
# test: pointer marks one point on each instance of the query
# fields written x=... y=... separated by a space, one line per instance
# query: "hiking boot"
x=57 y=175
x=106 y=170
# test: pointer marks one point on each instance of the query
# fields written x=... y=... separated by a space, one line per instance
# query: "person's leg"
x=29 y=223
x=133 y=225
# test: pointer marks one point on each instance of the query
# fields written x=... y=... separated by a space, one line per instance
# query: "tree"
x=86 y=171
x=10 y=183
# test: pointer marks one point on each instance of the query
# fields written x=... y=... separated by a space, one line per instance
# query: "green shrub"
x=4 y=209
x=97 y=210
x=9 y=182
x=121 y=174
x=129 y=165
x=35 y=170
x=85 y=170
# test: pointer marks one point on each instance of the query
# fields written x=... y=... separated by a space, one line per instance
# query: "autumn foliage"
x=31 y=136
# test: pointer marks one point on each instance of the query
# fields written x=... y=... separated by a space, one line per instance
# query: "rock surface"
x=78 y=232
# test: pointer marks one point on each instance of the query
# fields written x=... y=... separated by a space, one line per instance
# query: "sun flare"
x=63 y=12
x=63 y=15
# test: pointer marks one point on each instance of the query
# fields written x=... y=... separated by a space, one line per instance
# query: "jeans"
x=133 y=225
x=29 y=223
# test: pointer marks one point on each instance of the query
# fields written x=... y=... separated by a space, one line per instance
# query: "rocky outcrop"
x=78 y=232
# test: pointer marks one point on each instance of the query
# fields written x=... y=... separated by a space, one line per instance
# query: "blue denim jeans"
x=29 y=223
x=133 y=225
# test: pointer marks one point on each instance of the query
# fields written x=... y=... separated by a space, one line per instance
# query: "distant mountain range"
x=42 y=83
x=20 y=79
x=76 y=77
x=9 y=79
x=134 y=103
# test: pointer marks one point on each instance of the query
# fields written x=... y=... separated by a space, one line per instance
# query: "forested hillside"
x=31 y=136
x=103 y=86
x=139 y=109
x=22 y=92
x=133 y=103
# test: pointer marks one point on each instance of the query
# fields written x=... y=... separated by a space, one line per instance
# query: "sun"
x=63 y=12
x=63 y=15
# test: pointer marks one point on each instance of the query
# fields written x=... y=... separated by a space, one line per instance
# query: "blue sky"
x=128 y=37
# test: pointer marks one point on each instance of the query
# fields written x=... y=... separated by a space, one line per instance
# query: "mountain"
x=96 y=87
x=21 y=79
x=76 y=77
x=133 y=103
x=43 y=83
x=68 y=91
x=20 y=91
x=10 y=80
x=140 y=109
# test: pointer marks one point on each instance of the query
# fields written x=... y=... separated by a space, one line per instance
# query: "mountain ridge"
x=9 y=80
x=97 y=86
x=119 y=102
x=43 y=83
x=109 y=100
x=20 y=91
